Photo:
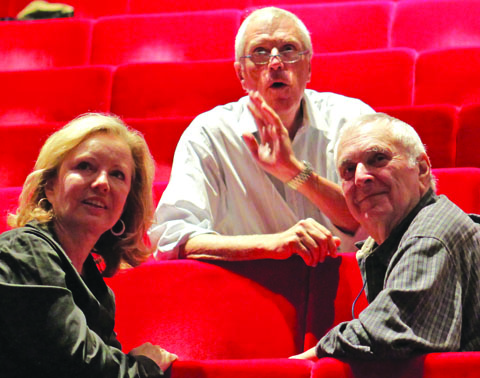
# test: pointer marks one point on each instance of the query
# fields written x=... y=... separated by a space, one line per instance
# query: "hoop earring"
x=119 y=233
x=39 y=204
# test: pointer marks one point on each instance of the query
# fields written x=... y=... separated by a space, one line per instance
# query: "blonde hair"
x=130 y=248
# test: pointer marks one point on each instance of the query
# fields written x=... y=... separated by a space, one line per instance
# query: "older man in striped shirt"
x=421 y=263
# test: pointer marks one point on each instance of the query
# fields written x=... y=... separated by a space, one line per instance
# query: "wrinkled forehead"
x=357 y=141
x=270 y=27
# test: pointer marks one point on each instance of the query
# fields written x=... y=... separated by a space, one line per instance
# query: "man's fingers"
x=317 y=241
x=268 y=115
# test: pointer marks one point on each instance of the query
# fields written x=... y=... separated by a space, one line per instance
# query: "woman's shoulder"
x=29 y=255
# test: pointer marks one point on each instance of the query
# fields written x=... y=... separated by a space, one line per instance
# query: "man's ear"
x=424 y=169
x=309 y=71
x=239 y=71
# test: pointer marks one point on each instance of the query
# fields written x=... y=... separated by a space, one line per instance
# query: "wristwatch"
x=302 y=177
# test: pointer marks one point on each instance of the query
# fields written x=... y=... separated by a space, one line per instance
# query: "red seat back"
x=44 y=44
x=183 y=89
x=379 y=78
x=201 y=310
x=171 y=37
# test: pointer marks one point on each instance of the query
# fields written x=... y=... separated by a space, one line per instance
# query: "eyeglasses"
x=286 y=56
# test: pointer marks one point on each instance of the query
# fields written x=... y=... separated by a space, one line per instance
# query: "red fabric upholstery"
x=433 y=365
x=173 y=89
x=19 y=148
x=251 y=368
x=82 y=8
x=279 y=3
x=4 y=8
x=44 y=44
x=461 y=186
x=426 y=25
x=198 y=310
x=333 y=287
x=162 y=135
x=158 y=188
x=346 y=26
x=55 y=95
x=379 y=78
x=165 y=37
x=448 y=76
x=8 y=204
x=437 y=127
x=468 y=137
x=149 y=6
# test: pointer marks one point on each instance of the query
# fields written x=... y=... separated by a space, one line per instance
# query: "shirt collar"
x=247 y=122
x=385 y=251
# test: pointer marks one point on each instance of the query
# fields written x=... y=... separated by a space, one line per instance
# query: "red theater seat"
x=44 y=44
x=173 y=89
x=239 y=368
x=426 y=25
x=468 y=137
x=461 y=185
x=82 y=8
x=448 y=76
x=158 y=189
x=437 y=127
x=19 y=148
x=252 y=309
x=346 y=26
x=279 y=3
x=379 y=78
x=162 y=135
x=433 y=365
x=172 y=37
x=4 y=9
x=149 y=6
x=55 y=95
x=333 y=287
x=8 y=204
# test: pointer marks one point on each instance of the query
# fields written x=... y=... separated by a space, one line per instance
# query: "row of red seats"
x=394 y=77
x=94 y=9
x=174 y=37
x=450 y=134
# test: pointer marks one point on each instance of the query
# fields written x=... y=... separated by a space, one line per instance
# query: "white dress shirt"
x=216 y=186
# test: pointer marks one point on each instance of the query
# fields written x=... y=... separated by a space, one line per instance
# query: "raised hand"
x=274 y=153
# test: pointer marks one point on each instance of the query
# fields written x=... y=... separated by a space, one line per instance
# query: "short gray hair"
x=274 y=12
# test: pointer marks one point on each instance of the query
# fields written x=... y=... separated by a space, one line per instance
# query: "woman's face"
x=92 y=185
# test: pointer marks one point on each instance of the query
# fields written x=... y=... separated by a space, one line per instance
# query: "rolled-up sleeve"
x=192 y=199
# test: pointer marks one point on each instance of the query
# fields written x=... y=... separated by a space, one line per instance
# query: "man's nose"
x=362 y=174
x=275 y=61
x=101 y=182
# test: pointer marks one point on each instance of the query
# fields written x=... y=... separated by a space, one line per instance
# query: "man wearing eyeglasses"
x=256 y=179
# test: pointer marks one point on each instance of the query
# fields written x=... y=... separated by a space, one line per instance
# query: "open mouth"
x=278 y=84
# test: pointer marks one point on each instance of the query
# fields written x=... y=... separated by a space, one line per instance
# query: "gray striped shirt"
x=422 y=285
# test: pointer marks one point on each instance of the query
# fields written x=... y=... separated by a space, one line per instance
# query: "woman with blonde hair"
x=89 y=193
